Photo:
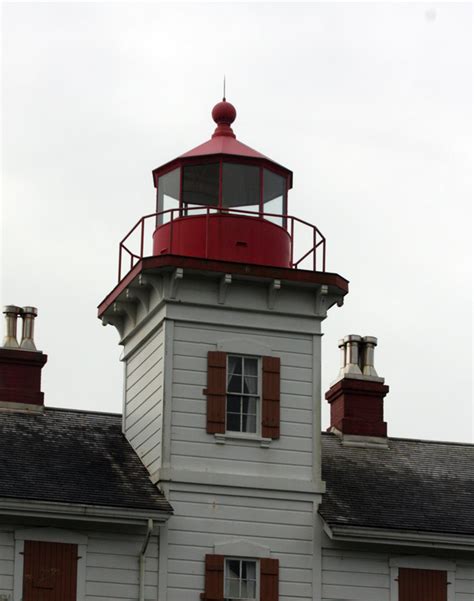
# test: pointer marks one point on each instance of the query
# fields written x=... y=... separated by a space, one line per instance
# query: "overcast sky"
x=368 y=104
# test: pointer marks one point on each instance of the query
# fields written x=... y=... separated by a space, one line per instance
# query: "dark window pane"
x=168 y=195
x=235 y=365
x=233 y=422
x=233 y=568
x=274 y=190
x=235 y=383
x=241 y=186
x=201 y=185
x=233 y=404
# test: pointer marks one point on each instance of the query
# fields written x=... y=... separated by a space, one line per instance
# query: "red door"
x=50 y=571
x=422 y=585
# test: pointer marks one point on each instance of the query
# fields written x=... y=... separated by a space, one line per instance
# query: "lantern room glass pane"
x=168 y=195
x=200 y=186
x=241 y=187
x=274 y=190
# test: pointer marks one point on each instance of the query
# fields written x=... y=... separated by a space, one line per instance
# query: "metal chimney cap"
x=12 y=309
x=352 y=338
x=370 y=339
x=29 y=311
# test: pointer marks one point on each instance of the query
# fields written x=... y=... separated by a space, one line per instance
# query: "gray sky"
x=368 y=104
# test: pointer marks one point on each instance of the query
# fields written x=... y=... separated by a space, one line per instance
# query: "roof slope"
x=224 y=145
x=413 y=485
x=71 y=456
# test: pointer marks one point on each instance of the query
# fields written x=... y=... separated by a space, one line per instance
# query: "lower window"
x=240 y=579
x=416 y=584
x=50 y=571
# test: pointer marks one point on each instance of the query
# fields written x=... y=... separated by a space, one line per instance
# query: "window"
x=240 y=579
x=243 y=394
x=168 y=196
x=200 y=186
x=274 y=192
x=241 y=187
x=49 y=564
x=416 y=578
x=422 y=584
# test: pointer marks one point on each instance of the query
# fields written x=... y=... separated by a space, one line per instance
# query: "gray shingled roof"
x=413 y=485
x=70 y=456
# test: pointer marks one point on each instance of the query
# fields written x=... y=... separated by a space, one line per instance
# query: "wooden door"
x=422 y=585
x=50 y=571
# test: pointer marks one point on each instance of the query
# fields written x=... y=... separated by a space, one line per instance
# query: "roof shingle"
x=412 y=485
x=69 y=456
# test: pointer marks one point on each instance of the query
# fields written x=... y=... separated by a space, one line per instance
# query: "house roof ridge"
x=88 y=411
x=421 y=440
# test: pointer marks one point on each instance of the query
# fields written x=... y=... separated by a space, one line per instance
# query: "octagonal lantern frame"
x=221 y=160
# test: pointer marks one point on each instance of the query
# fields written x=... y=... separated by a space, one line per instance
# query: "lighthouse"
x=220 y=298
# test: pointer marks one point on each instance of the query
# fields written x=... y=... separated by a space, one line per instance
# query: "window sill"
x=253 y=439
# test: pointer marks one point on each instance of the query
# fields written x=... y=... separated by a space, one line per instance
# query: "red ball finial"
x=224 y=112
x=224 y=115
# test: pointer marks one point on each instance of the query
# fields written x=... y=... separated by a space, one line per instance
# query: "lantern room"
x=223 y=200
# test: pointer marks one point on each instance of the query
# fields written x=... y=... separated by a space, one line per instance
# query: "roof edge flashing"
x=387 y=536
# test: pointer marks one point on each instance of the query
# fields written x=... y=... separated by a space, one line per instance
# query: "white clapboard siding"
x=202 y=519
x=464 y=581
x=355 y=576
x=7 y=553
x=113 y=567
x=193 y=448
x=144 y=400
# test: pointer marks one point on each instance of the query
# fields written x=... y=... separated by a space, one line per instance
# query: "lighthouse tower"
x=219 y=305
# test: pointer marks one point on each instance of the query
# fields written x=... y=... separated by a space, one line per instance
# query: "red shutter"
x=50 y=571
x=215 y=391
x=418 y=585
x=269 y=569
x=271 y=397
x=214 y=579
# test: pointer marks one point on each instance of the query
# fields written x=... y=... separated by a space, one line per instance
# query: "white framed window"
x=240 y=579
x=243 y=394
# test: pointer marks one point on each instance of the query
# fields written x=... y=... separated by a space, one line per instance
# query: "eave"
x=336 y=283
x=79 y=512
x=391 y=536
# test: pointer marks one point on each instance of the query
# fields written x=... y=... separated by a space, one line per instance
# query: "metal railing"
x=140 y=238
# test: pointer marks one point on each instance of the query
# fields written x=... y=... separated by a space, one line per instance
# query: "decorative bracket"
x=151 y=281
x=321 y=302
x=136 y=294
x=176 y=278
x=273 y=289
x=126 y=307
x=224 y=284
x=115 y=318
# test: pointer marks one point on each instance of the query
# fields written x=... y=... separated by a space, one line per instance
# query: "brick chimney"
x=357 y=396
x=20 y=363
